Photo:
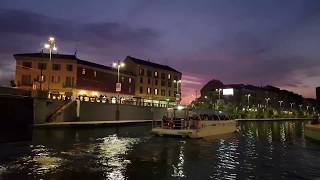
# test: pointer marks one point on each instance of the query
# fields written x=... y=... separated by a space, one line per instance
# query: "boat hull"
x=312 y=132
x=208 y=129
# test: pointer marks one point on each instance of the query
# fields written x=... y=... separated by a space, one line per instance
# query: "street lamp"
x=51 y=46
x=177 y=95
x=118 y=65
x=248 y=95
x=219 y=90
x=291 y=104
x=280 y=103
x=267 y=99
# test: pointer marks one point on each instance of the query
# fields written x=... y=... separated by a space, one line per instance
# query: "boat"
x=197 y=123
x=312 y=130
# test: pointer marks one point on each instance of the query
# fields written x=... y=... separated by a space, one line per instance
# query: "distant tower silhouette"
x=318 y=93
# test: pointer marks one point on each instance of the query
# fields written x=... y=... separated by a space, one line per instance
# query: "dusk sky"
x=274 y=42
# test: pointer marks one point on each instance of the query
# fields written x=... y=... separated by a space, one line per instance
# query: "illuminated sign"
x=227 y=92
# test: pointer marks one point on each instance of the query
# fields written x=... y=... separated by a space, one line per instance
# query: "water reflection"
x=178 y=169
x=111 y=155
x=261 y=150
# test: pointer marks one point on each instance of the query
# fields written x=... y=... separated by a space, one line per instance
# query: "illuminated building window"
x=148 y=90
x=83 y=71
x=129 y=80
x=155 y=74
x=169 y=76
x=56 y=67
x=95 y=73
x=27 y=65
x=156 y=91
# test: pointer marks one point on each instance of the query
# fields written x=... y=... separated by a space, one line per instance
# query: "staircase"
x=56 y=116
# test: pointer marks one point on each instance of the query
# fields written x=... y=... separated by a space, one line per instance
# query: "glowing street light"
x=219 y=91
x=248 y=95
x=291 y=105
x=118 y=65
x=51 y=46
x=280 y=103
x=178 y=94
x=267 y=99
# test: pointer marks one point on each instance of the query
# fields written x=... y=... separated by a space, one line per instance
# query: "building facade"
x=67 y=76
x=258 y=96
x=142 y=82
x=155 y=83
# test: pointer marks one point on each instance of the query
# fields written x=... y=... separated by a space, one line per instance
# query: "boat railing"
x=179 y=124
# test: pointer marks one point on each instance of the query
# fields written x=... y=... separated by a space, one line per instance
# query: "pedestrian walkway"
x=91 y=123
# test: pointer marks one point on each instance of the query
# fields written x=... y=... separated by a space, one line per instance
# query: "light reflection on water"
x=262 y=150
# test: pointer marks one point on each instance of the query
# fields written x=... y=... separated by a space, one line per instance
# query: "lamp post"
x=118 y=65
x=248 y=95
x=291 y=105
x=280 y=103
x=219 y=90
x=177 y=95
x=51 y=46
x=267 y=100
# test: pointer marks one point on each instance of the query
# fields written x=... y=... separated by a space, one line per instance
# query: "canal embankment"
x=276 y=119
x=312 y=131
x=92 y=123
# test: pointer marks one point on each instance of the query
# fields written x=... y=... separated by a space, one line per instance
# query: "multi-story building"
x=258 y=96
x=155 y=83
x=66 y=75
x=142 y=82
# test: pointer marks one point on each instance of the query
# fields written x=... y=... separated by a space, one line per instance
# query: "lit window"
x=83 y=71
x=129 y=80
x=155 y=74
x=95 y=73
x=156 y=91
x=148 y=90
x=169 y=76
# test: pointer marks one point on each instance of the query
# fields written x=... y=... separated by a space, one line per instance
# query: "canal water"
x=261 y=150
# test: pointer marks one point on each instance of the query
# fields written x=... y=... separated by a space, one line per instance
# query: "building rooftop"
x=148 y=63
x=46 y=55
x=71 y=57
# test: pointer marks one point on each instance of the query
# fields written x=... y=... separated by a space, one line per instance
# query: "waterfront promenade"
x=91 y=123
x=275 y=119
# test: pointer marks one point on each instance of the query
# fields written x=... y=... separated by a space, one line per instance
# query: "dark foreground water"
x=262 y=150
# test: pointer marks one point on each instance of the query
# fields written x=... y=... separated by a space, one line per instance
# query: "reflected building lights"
x=112 y=151
x=178 y=170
